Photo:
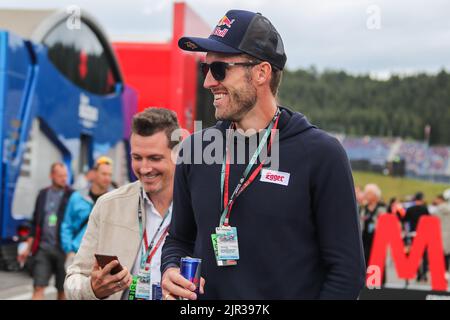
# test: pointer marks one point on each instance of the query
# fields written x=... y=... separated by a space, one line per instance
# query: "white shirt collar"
x=150 y=207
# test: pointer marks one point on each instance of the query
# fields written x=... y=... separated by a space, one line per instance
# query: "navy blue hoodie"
x=300 y=241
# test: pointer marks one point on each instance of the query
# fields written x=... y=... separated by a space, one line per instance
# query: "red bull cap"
x=240 y=31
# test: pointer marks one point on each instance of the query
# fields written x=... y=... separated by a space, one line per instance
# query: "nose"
x=146 y=167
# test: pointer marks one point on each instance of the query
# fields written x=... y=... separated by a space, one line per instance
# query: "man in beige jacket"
x=132 y=221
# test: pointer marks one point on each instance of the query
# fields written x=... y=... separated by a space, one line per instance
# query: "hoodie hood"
x=290 y=124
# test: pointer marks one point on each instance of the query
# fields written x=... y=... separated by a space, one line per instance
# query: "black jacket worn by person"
x=413 y=215
x=300 y=241
x=39 y=215
x=370 y=218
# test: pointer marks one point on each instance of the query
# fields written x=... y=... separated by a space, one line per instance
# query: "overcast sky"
x=378 y=37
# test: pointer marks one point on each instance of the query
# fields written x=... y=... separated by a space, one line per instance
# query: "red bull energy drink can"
x=156 y=291
x=190 y=268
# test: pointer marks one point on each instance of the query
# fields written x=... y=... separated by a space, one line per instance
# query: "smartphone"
x=103 y=260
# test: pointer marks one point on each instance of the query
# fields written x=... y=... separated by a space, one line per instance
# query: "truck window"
x=81 y=57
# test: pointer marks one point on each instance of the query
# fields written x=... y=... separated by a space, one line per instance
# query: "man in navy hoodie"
x=282 y=224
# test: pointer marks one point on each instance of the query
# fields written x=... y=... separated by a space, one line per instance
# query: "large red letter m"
x=428 y=236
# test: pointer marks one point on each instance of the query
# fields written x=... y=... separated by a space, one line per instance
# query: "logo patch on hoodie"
x=277 y=177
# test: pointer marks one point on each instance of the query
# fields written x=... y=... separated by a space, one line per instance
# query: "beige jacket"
x=113 y=229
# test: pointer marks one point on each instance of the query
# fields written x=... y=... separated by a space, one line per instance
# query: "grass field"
x=399 y=187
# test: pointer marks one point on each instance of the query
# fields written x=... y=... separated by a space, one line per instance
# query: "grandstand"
x=421 y=161
x=375 y=150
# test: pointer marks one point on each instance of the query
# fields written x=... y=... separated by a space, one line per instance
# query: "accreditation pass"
x=227 y=243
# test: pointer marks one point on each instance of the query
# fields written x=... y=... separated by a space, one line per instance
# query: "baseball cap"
x=241 y=31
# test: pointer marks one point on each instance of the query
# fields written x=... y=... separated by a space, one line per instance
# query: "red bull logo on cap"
x=224 y=22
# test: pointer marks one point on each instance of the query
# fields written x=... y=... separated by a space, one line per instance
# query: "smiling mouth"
x=219 y=96
x=149 y=177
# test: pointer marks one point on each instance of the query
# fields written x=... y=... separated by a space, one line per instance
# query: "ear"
x=263 y=74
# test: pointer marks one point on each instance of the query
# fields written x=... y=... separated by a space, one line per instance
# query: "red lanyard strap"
x=158 y=244
x=146 y=258
x=243 y=183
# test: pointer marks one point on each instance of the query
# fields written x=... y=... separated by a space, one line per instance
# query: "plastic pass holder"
x=226 y=247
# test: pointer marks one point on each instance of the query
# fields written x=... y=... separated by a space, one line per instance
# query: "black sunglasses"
x=219 y=68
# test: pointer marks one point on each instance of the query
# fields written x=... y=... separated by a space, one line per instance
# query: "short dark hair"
x=419 y=196
x=154 y=120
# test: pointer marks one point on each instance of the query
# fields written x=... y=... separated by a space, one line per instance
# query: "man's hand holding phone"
x=109 y=277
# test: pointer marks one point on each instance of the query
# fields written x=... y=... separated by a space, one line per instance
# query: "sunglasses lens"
x=218 y=70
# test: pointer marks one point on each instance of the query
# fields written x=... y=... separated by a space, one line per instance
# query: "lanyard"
x=149 y=250
x=243 y=182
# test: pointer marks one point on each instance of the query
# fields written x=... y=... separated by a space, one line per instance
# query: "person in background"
x=442 y=210
x=131 y=222
x=83 y=180
x=415 y=212
x=395 y=207
x=80 y=206
x=412 y=217
x=360 y=201
x=44 y=243
x=369 y=214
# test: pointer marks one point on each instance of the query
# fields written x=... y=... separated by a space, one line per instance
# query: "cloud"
x=327 y=34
